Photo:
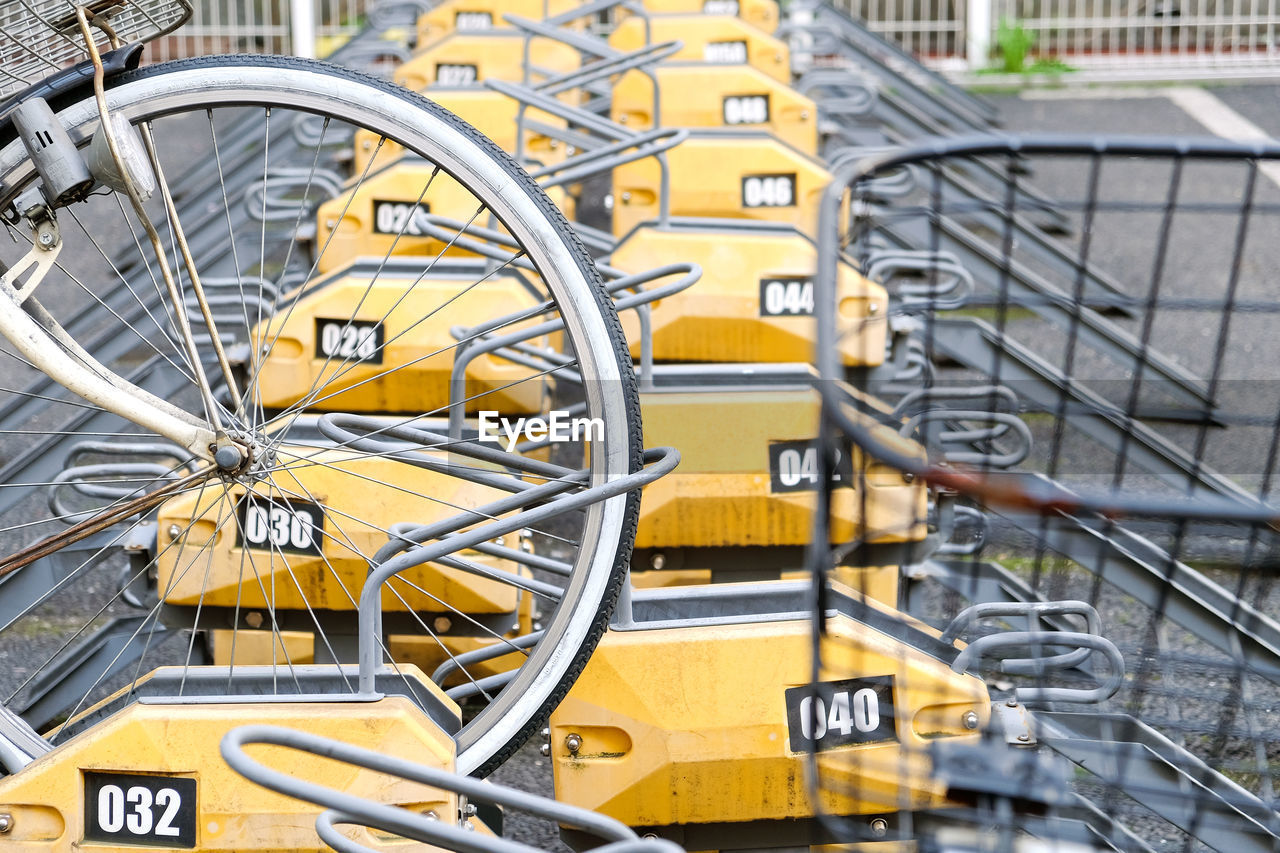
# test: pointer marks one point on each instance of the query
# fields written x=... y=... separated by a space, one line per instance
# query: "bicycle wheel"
x=252 y=148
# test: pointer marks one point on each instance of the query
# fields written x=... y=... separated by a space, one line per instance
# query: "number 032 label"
x=145 y=811
x=840 y=713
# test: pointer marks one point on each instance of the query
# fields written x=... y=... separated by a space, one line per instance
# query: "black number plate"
x=786 y=296
x=146 y=811
x=469 y=21
x=793 y=467
x=456 y=75
x=280 y=525
x=399 y=217
x=746 y=109
x=349 y=340
x=840 y=713
x=725 y=52
x=769 y=190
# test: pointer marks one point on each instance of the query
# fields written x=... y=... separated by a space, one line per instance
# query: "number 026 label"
x=147 y=811
x=840 y=713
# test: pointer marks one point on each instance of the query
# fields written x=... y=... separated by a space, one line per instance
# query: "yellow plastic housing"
x=876 y=582
x=761 y=14
x=724 y=174
x=215 y=562
x=702 y=95
x=473 y=16
x=686 y=726
x=713 y=39
x=46 y=799
x=349 y=226
x=754 y=302
x=254 y=647
x=725 y=494
x=410 y=373
x=489 y=112
x=470 y=58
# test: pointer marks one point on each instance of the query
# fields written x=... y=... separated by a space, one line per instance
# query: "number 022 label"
x=146 y=811
x=840 y=713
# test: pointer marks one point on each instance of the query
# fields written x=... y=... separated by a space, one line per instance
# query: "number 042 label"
x=840 y=713
x=146 y=811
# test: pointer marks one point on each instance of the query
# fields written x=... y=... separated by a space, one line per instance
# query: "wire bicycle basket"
x=1101 y=471
x=40 y=37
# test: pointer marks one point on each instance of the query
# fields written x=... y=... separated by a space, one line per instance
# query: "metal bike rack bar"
x=344 y=808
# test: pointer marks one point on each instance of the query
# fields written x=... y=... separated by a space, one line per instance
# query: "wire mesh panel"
x=38 y=37
x=251 y=26
x=1102 y=466
x=1113 y=33
x=929 y=28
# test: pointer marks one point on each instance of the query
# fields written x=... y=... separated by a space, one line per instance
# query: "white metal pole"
x=302 y=27
x=977 y=33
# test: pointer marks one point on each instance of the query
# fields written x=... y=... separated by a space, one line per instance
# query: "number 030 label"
x=279 y=525
x=147 y=811
x=840 y=713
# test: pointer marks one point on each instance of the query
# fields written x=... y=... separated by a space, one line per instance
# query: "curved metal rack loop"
x=347 y=808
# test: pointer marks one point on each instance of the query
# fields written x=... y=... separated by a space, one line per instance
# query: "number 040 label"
x=840 y=713
x=147 y=811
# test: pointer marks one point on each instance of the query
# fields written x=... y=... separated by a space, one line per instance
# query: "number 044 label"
x=145 y=811
x=840 y=713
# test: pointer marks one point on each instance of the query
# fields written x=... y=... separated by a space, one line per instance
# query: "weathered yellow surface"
x=689 y=725
x=722 y=318
x=722 y=493
x=492 y=113
x=495 y=55
x=707 y=172
x=347 y=226
x=761 y=14
x=411 y=372
x=693 y=95
x=703 y=37
x=46 y=798
x=208 y=561
x=447 y=17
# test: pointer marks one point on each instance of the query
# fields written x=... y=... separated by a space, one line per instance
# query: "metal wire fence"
x=1170 y=37
x=260 y=26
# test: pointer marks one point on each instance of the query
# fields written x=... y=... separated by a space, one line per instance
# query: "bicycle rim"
x=224 y=128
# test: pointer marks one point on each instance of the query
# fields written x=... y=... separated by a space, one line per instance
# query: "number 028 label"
x=840 y=713
x=349 y=340
x=147 y=811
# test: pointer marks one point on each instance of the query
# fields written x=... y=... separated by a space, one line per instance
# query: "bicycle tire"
x=273 y=84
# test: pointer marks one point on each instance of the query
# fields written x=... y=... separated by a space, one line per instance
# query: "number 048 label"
x=146 y=811
x=840 y=713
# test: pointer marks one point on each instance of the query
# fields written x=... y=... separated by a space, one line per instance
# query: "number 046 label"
x=840 y=713
x=147 y=811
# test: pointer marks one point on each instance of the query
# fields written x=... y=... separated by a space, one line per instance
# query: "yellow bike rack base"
x=693 y=730
x=150 y=775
